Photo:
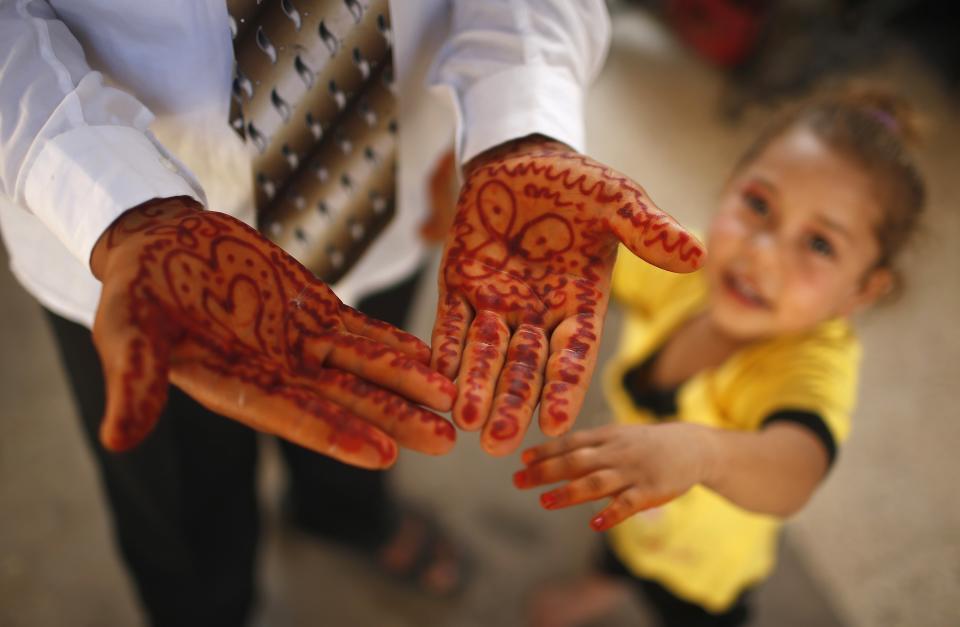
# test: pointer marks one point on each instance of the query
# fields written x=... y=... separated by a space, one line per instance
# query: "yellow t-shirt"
x=700 y=546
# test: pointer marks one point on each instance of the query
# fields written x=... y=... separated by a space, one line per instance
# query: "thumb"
x=134 y=345
x=653 y=235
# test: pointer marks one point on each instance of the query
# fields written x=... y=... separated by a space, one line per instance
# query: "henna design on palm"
x=199 y=299
x=524 y=284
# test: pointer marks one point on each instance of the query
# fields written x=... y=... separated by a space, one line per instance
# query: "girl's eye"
x=756 y=203
x=821 y=246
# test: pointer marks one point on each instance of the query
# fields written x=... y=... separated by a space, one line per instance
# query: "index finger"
x=565 y=467
x=387 y=367
x=359 y=323
x=410 y=425
x=291 y=412
x=560 y=446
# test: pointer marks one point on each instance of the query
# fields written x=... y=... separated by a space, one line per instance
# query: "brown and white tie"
x=313 y=92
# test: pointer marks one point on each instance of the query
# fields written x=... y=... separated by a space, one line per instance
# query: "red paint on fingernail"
x=470 y=413
x=598 y=523
x=548 y=500
x=520 y=478
x=527 y=457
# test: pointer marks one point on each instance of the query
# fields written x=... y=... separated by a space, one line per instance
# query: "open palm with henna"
x=525 y=278
x=199 y=299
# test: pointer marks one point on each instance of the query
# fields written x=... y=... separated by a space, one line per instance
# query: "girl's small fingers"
x=591 y=487
x=570 y=465
x=559 y=446
x=622 y=507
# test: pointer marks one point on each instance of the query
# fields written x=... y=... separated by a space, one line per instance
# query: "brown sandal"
x=421 y=554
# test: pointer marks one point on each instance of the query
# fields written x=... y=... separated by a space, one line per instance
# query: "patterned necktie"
x=313 y=92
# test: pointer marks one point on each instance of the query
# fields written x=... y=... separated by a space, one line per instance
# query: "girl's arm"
x=773 y=471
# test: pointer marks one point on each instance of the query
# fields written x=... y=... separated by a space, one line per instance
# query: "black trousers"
x=670 y=610
x=183 y=503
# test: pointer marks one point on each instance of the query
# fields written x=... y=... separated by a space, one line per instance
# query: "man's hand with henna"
x=525 y=279
x=201 y=300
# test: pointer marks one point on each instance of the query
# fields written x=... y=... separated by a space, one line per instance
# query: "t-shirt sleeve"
x=811 y=383
x=813 y=422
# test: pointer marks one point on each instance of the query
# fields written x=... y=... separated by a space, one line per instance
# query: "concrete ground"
x=879 y=545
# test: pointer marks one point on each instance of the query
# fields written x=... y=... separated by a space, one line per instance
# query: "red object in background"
x=725 y=32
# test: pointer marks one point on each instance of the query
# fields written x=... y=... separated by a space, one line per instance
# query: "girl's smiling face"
x=793 y=243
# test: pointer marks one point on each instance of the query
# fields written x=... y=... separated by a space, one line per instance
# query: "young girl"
x=734 y=386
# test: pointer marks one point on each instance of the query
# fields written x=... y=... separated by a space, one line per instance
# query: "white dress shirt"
x=105 y=104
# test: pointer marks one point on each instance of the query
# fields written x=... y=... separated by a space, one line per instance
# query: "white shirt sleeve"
x=73 y=151
x=521 y=67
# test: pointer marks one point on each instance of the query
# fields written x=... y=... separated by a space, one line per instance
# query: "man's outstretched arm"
x=262 y=343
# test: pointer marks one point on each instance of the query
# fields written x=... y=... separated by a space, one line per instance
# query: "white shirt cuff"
x=519 y=102
x=83 y=179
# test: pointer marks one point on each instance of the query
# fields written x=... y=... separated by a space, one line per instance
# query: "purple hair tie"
x=886 y=119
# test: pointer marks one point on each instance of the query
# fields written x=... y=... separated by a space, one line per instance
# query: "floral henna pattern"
x=202 y=300
x=524 y=284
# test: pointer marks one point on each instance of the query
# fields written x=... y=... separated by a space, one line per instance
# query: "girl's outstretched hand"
x=524 y=282
x=637 y=466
